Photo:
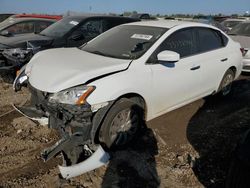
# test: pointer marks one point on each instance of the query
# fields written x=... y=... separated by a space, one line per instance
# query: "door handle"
x=196 y=67
x=223 y=60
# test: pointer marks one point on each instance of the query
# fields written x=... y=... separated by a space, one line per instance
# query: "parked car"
x=143 y=16
x=232 y=22
x=15 y=26
x=241 y=34
x=103 y=91
x=213 y=23
x=4 y=17
x=72 y=31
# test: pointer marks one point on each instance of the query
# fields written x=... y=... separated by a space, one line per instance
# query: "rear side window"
x=210 y=40
x=21 y=28
x=41 y=25
x=181 y=42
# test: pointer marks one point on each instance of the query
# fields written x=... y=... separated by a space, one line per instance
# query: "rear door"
x=213 y=58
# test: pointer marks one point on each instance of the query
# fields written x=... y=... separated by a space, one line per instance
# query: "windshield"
x=125 y=41
x=242 y=29
x=60 y=28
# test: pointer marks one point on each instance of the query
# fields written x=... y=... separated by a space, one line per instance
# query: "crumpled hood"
x=20 y=41
x=58 y=69
x=243 y=40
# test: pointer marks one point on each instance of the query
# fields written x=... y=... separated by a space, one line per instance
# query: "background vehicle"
x=72 y=31
x=132 y=73
x=14 y=26
x=241 y=34
x=4 y=17
x=230 y=23
x=213 y=23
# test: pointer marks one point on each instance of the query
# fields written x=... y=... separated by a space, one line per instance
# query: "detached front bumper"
x=77 y=126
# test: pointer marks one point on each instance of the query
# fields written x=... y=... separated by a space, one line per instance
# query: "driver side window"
x=21 y=28
x=181 y=42
x=90 y=29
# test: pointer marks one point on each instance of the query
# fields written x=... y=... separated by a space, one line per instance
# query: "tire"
x=121 y=123
x=226 y=83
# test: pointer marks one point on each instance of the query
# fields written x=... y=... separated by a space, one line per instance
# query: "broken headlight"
x=76 y=95
x=20 y=80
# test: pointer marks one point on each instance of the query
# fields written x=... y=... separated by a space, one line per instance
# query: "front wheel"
x=121 y=123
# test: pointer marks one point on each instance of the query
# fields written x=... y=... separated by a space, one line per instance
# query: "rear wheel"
x=121 y=123
x=226 y=83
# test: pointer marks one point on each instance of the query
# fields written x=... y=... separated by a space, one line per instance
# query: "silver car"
x=241 y=34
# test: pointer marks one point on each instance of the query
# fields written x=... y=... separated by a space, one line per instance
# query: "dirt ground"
x=189 y=147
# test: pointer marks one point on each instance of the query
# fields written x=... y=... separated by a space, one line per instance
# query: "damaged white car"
x=101 y=93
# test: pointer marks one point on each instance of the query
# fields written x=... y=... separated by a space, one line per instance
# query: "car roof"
x=85 y=16
x=20 y=19
x=168 y=23
x=235 y=19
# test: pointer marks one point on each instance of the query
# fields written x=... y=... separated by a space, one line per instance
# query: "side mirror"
x=77 y=36
x=168 y=56
x=5 y=33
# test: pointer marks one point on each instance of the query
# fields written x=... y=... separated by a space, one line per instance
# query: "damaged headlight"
x=20 y=80
x=76 y=95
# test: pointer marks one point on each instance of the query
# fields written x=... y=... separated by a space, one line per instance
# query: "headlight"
x=20 y=80
x=77 y=95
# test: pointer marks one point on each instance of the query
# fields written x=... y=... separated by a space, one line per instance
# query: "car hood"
x=58 y=69
x=20 y=41
x=243 y=40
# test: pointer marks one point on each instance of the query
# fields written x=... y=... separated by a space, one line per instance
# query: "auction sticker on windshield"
x=74 y=23
x=141 y=36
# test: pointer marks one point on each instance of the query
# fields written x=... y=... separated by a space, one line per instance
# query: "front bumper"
x=246 y=65
x=77 y=125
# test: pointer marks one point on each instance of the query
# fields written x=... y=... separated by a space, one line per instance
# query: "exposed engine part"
x=77 y=125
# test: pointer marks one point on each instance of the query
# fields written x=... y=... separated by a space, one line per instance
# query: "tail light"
x=243 y=51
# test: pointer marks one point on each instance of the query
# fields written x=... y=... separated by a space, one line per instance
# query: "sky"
x=119 y=6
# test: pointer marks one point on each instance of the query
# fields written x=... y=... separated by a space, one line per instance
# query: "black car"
x=72 y=31
x=4 y=17
x=15 y=26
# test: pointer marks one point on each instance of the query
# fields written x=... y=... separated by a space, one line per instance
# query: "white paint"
x=163 y=88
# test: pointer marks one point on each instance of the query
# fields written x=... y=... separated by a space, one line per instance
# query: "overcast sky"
x=119 y=6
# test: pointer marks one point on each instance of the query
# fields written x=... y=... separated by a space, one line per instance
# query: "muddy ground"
x=189 y=147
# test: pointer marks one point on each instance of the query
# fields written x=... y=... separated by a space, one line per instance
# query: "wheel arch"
x=136 y=98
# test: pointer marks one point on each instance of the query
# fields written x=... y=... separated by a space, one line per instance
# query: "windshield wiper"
x=102 y=54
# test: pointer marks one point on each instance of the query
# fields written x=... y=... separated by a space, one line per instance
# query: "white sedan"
x=102 y=92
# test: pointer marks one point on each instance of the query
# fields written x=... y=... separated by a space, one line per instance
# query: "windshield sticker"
x=141 y=36
x=74 y=22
